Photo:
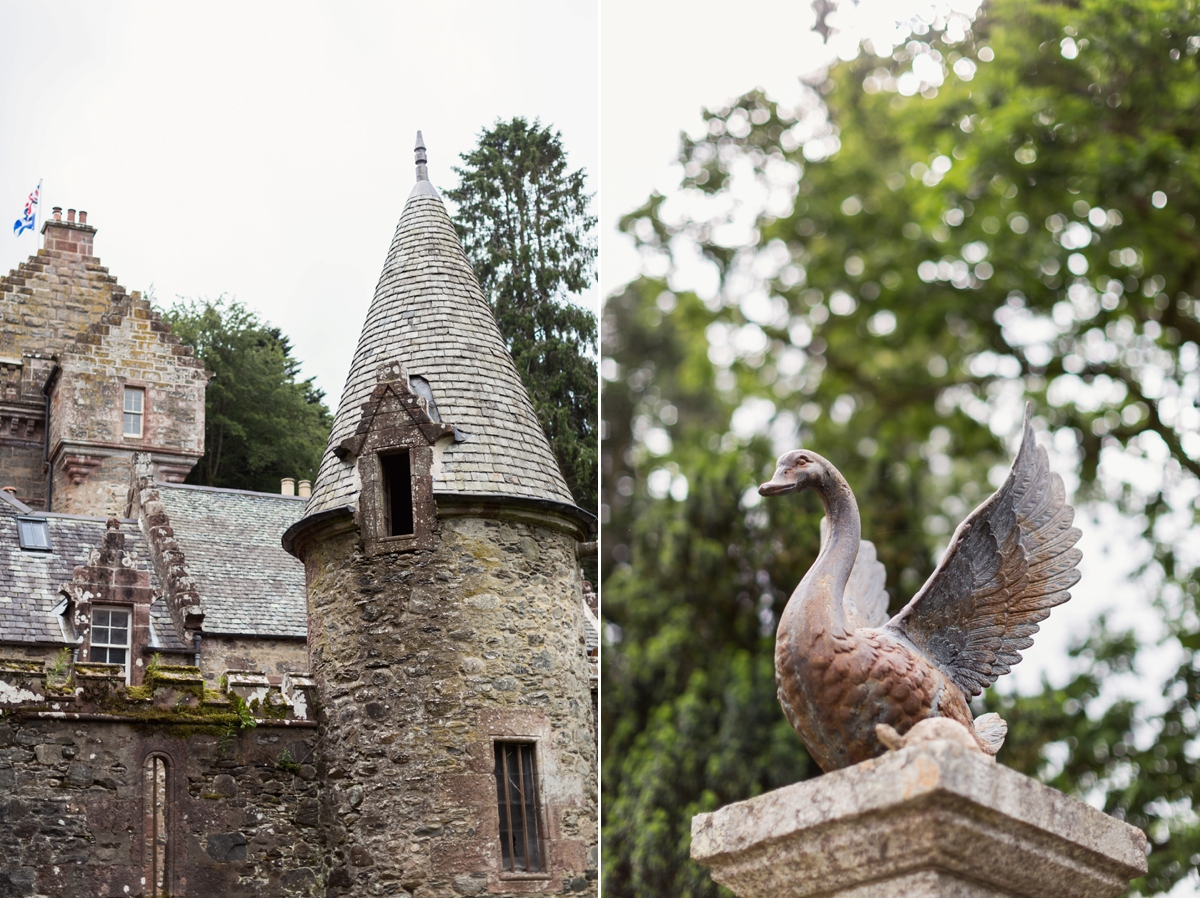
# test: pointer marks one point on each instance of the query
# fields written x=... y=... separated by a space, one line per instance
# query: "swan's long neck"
x=824 y=585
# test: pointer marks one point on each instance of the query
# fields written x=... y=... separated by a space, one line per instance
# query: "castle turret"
x=446 y=623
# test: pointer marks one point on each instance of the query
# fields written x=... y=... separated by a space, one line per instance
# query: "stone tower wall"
x=422 y=660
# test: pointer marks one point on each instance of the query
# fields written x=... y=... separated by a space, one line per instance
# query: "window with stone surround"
x=135 y=402
x=110 y=635
x=155 y=834
x=517 y=802
x=396 y=468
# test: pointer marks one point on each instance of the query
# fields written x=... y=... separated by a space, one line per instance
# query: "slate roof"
x=230 y=539
x=430 y=313
x=30 y=580
x=163 y=632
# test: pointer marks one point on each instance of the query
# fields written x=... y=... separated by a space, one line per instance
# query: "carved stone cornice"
x=78 y=466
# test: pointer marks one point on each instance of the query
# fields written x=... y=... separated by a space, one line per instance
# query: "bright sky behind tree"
x=654 y=89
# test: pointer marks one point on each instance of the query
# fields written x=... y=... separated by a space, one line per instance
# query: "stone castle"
x=384 y=687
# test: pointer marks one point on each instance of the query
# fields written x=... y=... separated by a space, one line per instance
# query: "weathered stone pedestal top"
x=931 y=820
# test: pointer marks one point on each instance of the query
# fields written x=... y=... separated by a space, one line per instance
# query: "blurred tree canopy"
x=994 y=210
x=261 y=422
x=523 y=220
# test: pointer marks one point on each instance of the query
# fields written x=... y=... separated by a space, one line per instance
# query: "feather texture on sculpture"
x=842 y=668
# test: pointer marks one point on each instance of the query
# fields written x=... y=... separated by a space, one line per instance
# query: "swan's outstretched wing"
x=1009 y=563
x=865 y=600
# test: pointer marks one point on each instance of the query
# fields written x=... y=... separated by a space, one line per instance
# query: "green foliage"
x=227 y=737
x=261 y=423
x=287 y=763
x=242 y=719
x=921 y=259
x=58 y=673
x=523 y=219
x=245 y=714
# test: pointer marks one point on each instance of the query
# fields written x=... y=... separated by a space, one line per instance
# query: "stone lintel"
x=930 y=820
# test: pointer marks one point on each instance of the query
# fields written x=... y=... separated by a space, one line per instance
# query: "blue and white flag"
x=29 y=219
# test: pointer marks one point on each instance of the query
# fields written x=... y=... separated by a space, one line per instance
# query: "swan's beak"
x=777 y=487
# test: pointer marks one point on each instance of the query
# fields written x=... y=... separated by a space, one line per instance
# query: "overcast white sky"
x=665 y=61
x=265 y=150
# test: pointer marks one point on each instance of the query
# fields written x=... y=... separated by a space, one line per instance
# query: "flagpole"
x=36 y=233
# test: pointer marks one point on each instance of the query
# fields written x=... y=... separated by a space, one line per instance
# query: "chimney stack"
x=288 y=486
x=305 y=489
x=70 y=237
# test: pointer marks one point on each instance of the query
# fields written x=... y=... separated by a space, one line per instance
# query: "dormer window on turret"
x=394 y=446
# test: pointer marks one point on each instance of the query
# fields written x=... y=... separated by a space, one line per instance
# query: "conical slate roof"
x=429 y=313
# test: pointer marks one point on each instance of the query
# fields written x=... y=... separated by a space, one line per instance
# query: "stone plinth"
x=931 y=820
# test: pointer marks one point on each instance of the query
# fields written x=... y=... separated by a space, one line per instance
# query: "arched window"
x=156 y=831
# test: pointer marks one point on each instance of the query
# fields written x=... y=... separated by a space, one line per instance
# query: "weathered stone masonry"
x=441 y=653
x=130 y=346
x=227 y=755
x=240 y=804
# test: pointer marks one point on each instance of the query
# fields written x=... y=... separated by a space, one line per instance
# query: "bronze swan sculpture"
x=842 y=668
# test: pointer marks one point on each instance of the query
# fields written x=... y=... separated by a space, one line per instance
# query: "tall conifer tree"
x=524 y=222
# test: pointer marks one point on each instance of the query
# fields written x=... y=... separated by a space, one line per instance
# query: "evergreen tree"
x=261 y=423
x=523 y=220
x=998 y=209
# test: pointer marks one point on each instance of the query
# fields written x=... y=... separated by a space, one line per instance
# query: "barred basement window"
x=110 y=635
x=155 y=835
x=517 y=799
x=134 y=407
x=397 y=493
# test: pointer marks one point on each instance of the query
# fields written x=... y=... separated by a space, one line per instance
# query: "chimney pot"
x=305 y=488
x=82 y=217
x=58 y=213
x=71 y=215
x=288 y=486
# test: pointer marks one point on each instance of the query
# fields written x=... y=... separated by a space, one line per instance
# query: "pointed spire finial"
x=422 y=159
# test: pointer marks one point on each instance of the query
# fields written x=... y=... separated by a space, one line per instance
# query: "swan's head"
x=797 y=470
